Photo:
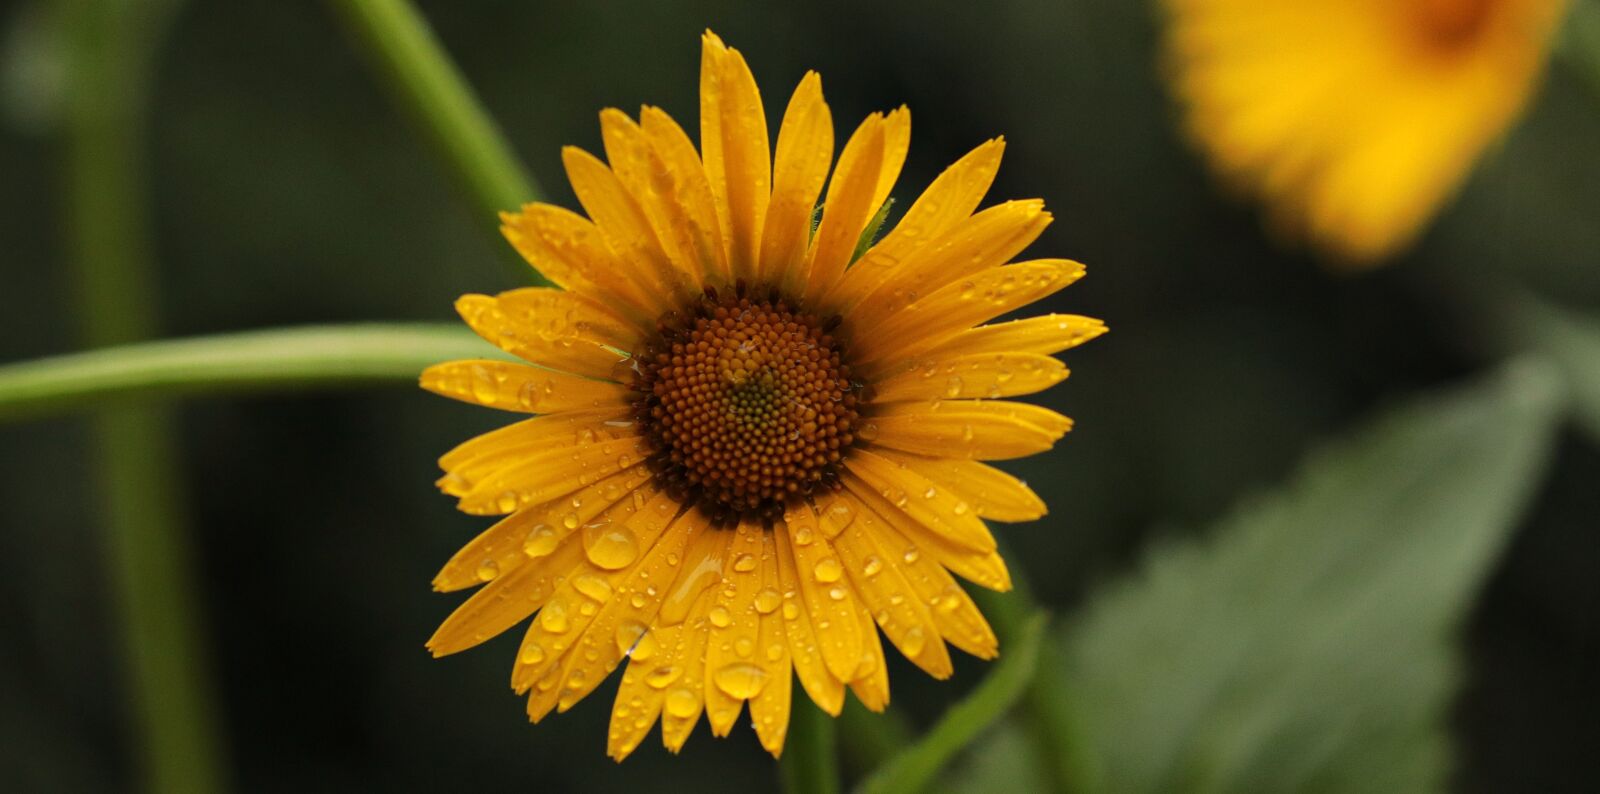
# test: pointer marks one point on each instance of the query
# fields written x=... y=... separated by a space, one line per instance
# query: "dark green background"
x=287 y=190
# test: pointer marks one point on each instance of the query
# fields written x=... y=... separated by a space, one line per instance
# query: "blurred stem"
x=1049 y=698
x=111 y=46
x=251 y=361
x=426 y=84
x=810 y=764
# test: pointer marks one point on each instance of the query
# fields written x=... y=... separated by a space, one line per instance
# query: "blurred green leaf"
x=1570 y=341
x=1306 y=645
x=916 y=766
x=1004 y=759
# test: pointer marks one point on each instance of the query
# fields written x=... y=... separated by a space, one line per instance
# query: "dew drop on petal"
x=828 y=570
x=612 y=547
x=767 y=600
x=720 y=616
x=554 y=618
x=682 y=703
x=744 y=563
x=487 y=570
x=662 y=677
x=740 y=680
x=593 y=586
x=541 y=540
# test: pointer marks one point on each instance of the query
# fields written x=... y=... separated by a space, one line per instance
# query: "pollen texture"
x=748 y=403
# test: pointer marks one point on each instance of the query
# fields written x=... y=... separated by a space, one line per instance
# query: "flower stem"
x=810 y=763
x=251 y=361
x=1579 y=45
x=111 y=46
x=428 y=87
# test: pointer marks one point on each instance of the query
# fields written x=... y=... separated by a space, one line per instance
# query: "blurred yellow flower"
x=751 y=454
x=1354 y=119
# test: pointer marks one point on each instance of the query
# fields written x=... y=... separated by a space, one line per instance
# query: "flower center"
x=748 y=403
x=1451 y=24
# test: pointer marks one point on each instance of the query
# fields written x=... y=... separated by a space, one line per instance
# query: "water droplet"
x=554 y=618
x=767 y=600
x=741 y=680
x=637 y=601
x=662 y=677
x=914 y=641
x=507 y=502
x=541 y=540
x=570 y=520
x=790 y=610
x=682 y=703
x=930 y=493
x=803 y=536
x=744 y=563
x=744 y=646
x=836 y=593
x=487 y=570
x=828 y=570
x=611 y=547
x=720 y=617
x=532 y=653
x=628 y=633
x=952 y=387
x=867 y=432
x=593 y=586
x=774 y=652
x=872 y=565
x=960 y=508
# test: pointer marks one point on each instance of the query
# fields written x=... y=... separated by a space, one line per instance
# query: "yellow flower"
x=750 y=454
x=1354 y=119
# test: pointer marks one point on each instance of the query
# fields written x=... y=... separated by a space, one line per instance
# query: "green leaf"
x=1307 y=642
x=916 y=766
x=315 y=356
x=869 y=235
x=1570 y=341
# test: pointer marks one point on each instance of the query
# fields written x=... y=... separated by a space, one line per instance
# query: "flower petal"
x=949 y=200
x=958 y=306
x=845 y=212
x=769 y=709
x=871 y=682
x=469 y=463
x=990 y=375
x=973 y=429
x=825 y=689
x=547 y=476
x=992 y=493
x=736 y=150
x=689 y=190
x=505 y=601
x=517 y=387
x=572 y=252
x=1045 y=335
x=903 y=616
x=805 y=150
x=550 y=328
x=984 y=568
x=658 y=188
x=938 y=509
x=984 y=241
x=733 y=671
x=827 y=597
x=625 y=226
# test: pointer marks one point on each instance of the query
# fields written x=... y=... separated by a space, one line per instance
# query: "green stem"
x=249 y=361
x=1049 y=698
x=111 y=46
x=426 y=84
x=810 y=764
x=1580 y=43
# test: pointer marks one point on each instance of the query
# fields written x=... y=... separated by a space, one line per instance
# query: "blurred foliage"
x=288 y=190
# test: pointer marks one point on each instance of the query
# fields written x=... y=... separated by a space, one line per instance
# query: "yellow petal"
x=625 y=226
x=1045 y=335
x=972 y=429
x=516 y=387
x=769 y=709
x=737 y=153
x=846 y=210
x=805 y=149
x=628 y=601
x=871 y=684
x=825 y=689
x=828 y=600
x=687 y=188
x=984 y=568
x=655 y=187
x=734 y=672
x=896 y=142
x=958 y=306
x=468 y=464
x=991 y=492
x=544 y=477
x=571 y=610
x=982 y=242
x=989 y=375
x=958 y=619
x=949 y=200
x=896 y=608
x=541 y=329
x=685 y=699
x=505 y=601
x=940 y=510
x=572 y=252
